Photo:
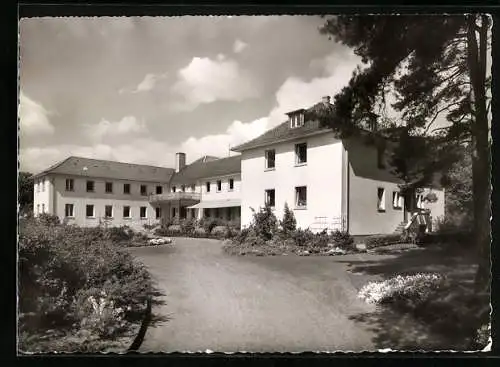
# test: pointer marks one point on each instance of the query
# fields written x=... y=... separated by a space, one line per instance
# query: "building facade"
x=328 y=182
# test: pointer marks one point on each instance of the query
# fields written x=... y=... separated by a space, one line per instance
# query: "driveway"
x=256 y=304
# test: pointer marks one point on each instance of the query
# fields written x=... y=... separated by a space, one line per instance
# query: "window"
x=144 y=190
x=206 y=212
x=159 y=190
x=380 y=158
x=37 y=208
x=174 y=188
x=301 y=197
x=69 y=210
x=381 y=199
x=90 y=186
x=193 y=188
x=126 y=188
x=89 y=211
x=43 y=208
x=43 y=185
x=301 y=153
x=37 y=187
x=231 y=184
x=208 y=186
x=397 y=200
x=158 y=212
x=143 y=212
x=108 y=211
x=217 y=212
x=420 y=202
x=109 y=187
x=270 y=158
x=126 y=212
x=219 y=185
x=183 y=188
x=269 y=198
x=297 y=120
x=174 y=212
x=70 y=184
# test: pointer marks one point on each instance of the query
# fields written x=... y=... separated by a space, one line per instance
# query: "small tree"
x=265 y=222
x=289 y=223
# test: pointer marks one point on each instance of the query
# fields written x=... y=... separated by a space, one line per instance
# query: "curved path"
x=256 y=304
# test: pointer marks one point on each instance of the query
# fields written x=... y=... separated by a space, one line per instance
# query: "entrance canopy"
x=216 y=204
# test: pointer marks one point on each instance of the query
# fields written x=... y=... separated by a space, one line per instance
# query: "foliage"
x=289 y=223
x=302 y=237
x=382 y=240
x=342 y=239
x=62 y=267
x=415 y=287
x=264 y=222
x=48 y=219
x=25 y=187
x=188 y=226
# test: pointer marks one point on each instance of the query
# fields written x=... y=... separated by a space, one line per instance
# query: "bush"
x=382 y=240
x=342 y=240
x=120 y=234
x=188 y=226
x=303 y=237
x=289 y=223
x=265 y=223
x=61 y=268
x=48 y=219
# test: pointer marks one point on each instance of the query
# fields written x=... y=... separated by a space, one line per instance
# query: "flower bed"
x=78 y=289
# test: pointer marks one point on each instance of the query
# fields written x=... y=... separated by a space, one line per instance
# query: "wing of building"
x=329 y=183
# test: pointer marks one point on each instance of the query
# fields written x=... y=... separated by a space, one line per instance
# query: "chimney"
x=180 y=161
x=325 y=100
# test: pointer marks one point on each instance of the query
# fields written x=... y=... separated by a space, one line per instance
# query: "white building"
x=329 y=183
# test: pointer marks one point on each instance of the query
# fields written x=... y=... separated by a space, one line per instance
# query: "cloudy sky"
x=140 y=89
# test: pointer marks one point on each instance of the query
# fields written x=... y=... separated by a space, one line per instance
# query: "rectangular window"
x=219 y=185
x=193 y=188
x=37 y=208
x=231 y=184
x=159 y=190
x=183 y=188
x=43 y=208
x=174 y=212
x=37 y=187
x=206 y=212
x=144 y=190
x=70 y=184
x=158 y=212
x=217 y=212
x=109 y=187
x=270 y=196
x=126 y=212
x=89 y=211
x=397 y=200
x=69 y=210
x=143 y=212
x=108 y=211
x=301 y=197
x=43 y=185
x=126 y=188
x=301 y=153
x=381 y=199
x=174 y=189
x=270 y=158
x=420 y=202
x=90 y=186
x=208 y=186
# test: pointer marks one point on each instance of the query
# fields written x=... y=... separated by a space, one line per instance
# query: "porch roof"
x=216 y=204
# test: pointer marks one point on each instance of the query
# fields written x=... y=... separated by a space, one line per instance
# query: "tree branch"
x=437 y=114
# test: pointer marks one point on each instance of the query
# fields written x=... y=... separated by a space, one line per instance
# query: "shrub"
x=303 y=237
x=48 y=219
x=415 y=288
x=210 y=223
x=382 y=240
x=265 y=223
x=289 y=223
x=149 y=227
x=61 y=266
x=120 y=234
x=342 y=240
x=188 y=226
x=175 y=228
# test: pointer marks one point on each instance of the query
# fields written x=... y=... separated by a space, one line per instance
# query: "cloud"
x=147 y=84
x=239 y=46
x=33 y=117
x=205 y=80
x=127 y=126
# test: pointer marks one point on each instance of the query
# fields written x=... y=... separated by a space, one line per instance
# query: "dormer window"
x=296 y=118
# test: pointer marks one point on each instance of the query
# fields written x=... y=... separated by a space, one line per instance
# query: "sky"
x=140 y=89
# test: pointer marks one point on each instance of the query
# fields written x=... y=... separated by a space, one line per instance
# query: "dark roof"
x=109 y=169
x=207 y=168
x=284 y=131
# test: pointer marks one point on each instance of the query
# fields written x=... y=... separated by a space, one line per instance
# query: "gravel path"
x=229 y=303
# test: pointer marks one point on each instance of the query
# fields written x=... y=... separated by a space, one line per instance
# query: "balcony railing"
x=174 y=196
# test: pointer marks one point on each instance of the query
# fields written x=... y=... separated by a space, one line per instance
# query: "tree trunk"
x=476 y=57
